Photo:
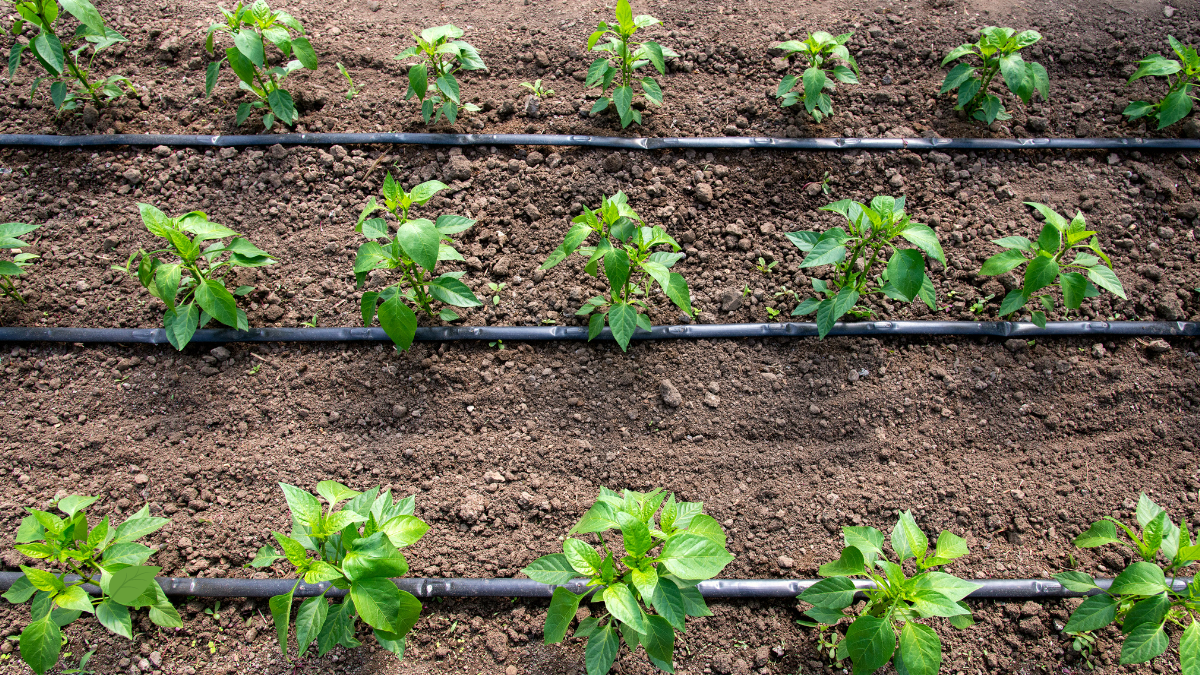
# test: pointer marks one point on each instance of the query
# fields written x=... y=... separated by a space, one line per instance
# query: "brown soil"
x=1015 y=446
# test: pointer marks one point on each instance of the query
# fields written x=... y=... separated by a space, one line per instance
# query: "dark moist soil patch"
x=726 y=209
x=1015 y=446
x=723 y=84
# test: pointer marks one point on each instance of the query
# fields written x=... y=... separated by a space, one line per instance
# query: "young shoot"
x=869 y=231
x=618 y=70
x=1182 y=76
x=538 y=90
x=819 y=52
x=997 y=52
x=251 y=27
x=441 y=55
x=352 y=91
x=10 y=269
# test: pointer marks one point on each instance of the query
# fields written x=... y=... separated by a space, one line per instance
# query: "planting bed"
x=1088 y=51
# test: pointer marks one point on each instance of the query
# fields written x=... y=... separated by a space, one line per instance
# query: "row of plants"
x=441 y=53
x=645 y=579
x=634 y=258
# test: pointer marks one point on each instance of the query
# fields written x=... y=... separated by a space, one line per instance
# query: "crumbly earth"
x=1016 y=446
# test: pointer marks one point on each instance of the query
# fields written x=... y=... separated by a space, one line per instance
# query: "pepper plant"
x=16 y=267
x=415 y=250
x=626 y=57
x=193 y=289
x=1145 y=597
x=819 y=50
x=1178 y=102
x=631 y=267
x=68 y=62
x=441 y=55
x=1046 y=267
x=105 y=555
x=356 y=549
x=997 y=51
x=659 y=568
x=251 y=28
x=870 y=231
x=897 y=603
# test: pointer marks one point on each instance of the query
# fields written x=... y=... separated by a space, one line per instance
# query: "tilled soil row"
x=723 y=84
x=727 y=210
x=1015 y=446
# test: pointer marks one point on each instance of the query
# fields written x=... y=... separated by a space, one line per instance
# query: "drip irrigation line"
x=527 y=588
x=618 y=142
x=999 y=329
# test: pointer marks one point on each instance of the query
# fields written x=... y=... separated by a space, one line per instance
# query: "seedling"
x=496 y=288
x=997 y=50
x=312 y=323
x=71 y=83
x=441 y=55
x=819 y=51
x=692 y=550
x=9 y=270
x=194 y=289
x=538 y=90
x=497 y=344
x=630 y=267
x=356 y=548
x=871 y=230
x=353 y=90
x=214 y=611
x=1141 y=599
x=896 y=603
x=626 y=58
x=824 y=182
x=415 y=251
x=828 y=641
x=1084 y=644
x=251 y=28
x=772 y=312
x=82 y=668
x=1046 y=266
x=1178 y=102
x=746 y=291
x=103 y=555
x=978 y=306
x=765 y=267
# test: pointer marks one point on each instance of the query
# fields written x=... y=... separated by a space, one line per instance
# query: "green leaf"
x=659 y=642
x=309 y=620
x=74 y=598
x=249 y=43
x=814 y=83
x=1094 y=613
x=827 y=250
x=920 y=651
x=1080 y=582
x=932 y=603
x=20 y=591
x=49 y=52
x=72 y=504
x=668 y=602
x=1174 y=107
x=620 y=602
x=1143 y=643
x=601 y=650
x=420 y=240
x=378 y=602
x=448 y=85
x=947 y=584
x=691 y=556
x=86 y=13
x=115 y=617
x=906 y=272
x=40 y=644
x=391 y=642
x=599 y=517
x=398 y=321
x=950 y=546
x=418 y=80
x=957 y=76
x=833 y=593
x=657 y=57
x=451 y=291
x=281 y=612
x=924 y=238
x=1002 y=262
x=1105 y=278
x=129 y=583
x=622 y=318
x=338 y=628
x=850 y=562
x=217 y=302
x=42 y=580
x=635 y=534
x=304 y=507
x=870 y=642
x=304 y=52
x=1140 y=578
x=1189 y=650
x=1041 y=272
x=404 y=530
x=908 y=541
x=373 y=557
x=1152 y=610
x=562 y=610
x=283 y=106
x=551 y=569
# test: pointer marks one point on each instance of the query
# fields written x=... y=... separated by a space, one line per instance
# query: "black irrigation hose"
x=618 y=142
x=527 y=588
x=1000 y=329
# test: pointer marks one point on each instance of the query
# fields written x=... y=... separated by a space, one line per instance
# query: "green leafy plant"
x=764 y=267
x=772 y=312
x=194 y=288
x=870 y=230
x=498 y=345
x=105 y=555
x=824 y=183
x=353 y=90
x=496 y=288
x=356 y=549
x=819 y=51
x=9 y=270
x=418 y=246
x=214 y=611
x=62 y=60
x=1084 y=644
x=441 y=55
x=618 y=69
x=978 y=306
x=1046 y=267
x=538 y=90
x=312 y=323
x=82 y=668
x=659 y=568
x=251 y=28
x=897 y=603
x=1178 y=102
x=630 y=266
x=1142 y=599
x=997 y=51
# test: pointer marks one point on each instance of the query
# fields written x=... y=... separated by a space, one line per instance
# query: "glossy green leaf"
x=562 y=610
